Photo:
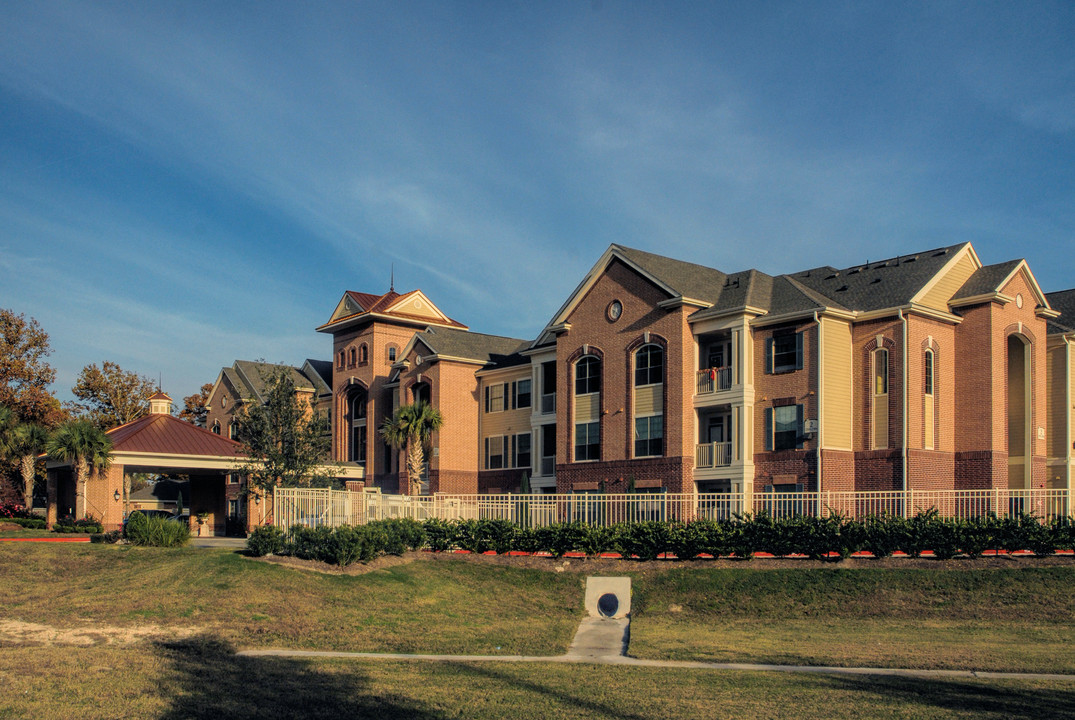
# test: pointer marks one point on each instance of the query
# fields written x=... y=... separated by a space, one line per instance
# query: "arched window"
x=649 y=365
x=588 y=376
x=339 y=361
x=880 y=398
x=928 y=404
x=392 y=353
x=422 y=394
x=351 y=357
x=216 y=426
x=363 y=354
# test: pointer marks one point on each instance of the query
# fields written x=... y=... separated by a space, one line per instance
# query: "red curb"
x=45 y=539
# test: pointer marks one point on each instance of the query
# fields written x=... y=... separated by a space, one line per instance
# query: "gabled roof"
x=254 y=376
x=319 y=372
x=355 y=308
x=986 y=279
x=489 y=350
x=165 y=434
x=1064 y=302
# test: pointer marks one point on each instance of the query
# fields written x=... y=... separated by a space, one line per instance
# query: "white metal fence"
x=316 y=507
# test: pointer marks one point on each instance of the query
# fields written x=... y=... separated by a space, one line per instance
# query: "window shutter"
x=768 y=429
x=798 y=351
x=768 y=356
x=487 y=451
x=799 y=429
x=514 y=399
x=487 y=406
x=506 y=445
x=507 y=400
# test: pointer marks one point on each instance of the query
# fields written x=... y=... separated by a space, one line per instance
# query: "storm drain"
x=607 y=630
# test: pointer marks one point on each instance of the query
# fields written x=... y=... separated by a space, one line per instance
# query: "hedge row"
x=742 y=537
x=30 y=523
x=70 y=525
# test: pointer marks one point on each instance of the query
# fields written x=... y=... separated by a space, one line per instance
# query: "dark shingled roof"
x=1062 y=301
x=881 y=284
x=255 y=376
x=492 y=349
x=689 y=280
x=986 y=279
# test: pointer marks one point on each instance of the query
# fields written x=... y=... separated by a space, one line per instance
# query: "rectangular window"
x=784 y=352
x=784 y=427
x=587 y=441
x=520 y=394
x=521 y=450
x=548 y=388
x=880 y=372
x=929 y=373
x=649 y=436
x=494 y=398
x=233 y=509
x=494 y=452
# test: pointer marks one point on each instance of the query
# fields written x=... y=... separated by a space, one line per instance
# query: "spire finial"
x=392 y=282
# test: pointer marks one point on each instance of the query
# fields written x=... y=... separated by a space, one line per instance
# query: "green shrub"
x=311 y=543
x=347 y=544
x=882 y=534
x=31 y=523
x=156 y=531
x=646 y=540
x=439 y=534
x=265 y=540
x=560 y=538
x=499 y=535
x=598 y=539
x=978 y=534
x=743 y=536
x=470 y=536
x=526 y=539
x=405 y=532
x=86 y=525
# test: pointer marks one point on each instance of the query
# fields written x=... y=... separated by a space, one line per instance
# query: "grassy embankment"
x=197 y=605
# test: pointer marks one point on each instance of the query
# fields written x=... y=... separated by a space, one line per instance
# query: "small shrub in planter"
x=265 y=540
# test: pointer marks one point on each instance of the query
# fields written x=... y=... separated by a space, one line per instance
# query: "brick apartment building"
x=924 y=371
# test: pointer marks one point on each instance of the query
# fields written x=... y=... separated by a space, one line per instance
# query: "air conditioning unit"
x=809 y=427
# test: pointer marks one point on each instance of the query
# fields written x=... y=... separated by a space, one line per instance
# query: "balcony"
x=711 y=380
x=713 y=455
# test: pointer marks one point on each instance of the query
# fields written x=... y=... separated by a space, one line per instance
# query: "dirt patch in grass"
x=17 y=632
x=382 y=563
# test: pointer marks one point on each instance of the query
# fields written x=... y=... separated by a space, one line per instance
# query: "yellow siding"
x=880 y=422
x=836 y=382
x=927 y=420
x=417 y=306
x=505 y=422
x=649 y=400
x=939 y=295
x=1056 y=401
x=587 y=407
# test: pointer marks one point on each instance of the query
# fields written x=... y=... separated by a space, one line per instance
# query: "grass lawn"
x=1020 y=620
x=99 y=631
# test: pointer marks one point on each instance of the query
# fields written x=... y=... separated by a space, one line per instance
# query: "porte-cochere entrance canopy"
x=157 y=443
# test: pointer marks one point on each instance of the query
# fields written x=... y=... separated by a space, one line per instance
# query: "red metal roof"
x=168 y=435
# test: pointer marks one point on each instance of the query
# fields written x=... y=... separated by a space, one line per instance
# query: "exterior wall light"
x=115 y=495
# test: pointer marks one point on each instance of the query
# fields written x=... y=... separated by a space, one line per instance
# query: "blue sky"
x=185 y=184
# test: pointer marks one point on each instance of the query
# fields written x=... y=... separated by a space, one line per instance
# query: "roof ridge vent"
x=841 y=288
x=834 y=275
x=942 y=251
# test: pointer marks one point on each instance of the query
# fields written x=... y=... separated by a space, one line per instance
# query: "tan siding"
x=587 y=407
x=506 y=423
x=837 y=379
x=649 y=400
x=1056 y=402
x=417 y=306
x=939 y=295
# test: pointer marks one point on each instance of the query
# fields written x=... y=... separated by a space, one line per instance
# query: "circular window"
x=608 y=604
x=417 y=359
x=615 y=309
x=1019 y=300
x=223 y=401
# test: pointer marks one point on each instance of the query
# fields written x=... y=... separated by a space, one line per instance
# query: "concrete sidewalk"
x=623 y=660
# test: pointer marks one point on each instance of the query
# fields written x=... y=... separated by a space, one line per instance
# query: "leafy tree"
x=287 y=442
x=25 y=375
x=196 y=407
x=412 y=426
x=85 y=446
x=110 y=395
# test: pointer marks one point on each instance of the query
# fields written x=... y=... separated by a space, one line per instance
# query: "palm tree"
x=412 y=426
x=30 y=441
x=85 y=446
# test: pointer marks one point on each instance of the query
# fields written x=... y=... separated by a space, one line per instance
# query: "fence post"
x=908 y=503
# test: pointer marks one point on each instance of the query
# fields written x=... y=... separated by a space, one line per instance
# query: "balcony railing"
x=711 y=380
x=712 y=455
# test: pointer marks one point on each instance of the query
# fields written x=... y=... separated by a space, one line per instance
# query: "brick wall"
x=675 y=475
